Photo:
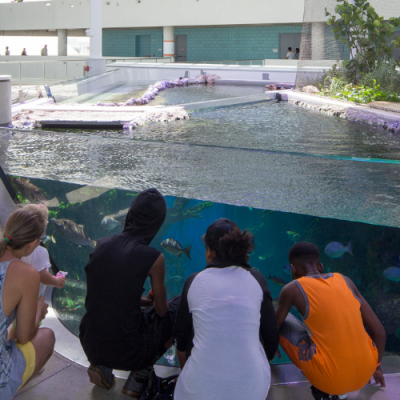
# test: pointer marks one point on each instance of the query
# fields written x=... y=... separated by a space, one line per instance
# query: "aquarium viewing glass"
x=306 y=177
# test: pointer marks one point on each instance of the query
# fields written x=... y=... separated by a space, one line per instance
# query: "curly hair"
x=236 y=246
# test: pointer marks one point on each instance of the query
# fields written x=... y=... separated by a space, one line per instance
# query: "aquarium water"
x=285 y=174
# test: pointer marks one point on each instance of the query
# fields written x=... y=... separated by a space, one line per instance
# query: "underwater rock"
x=393 y=127
x=130 y=102
x=310 y=89
x=28 y=190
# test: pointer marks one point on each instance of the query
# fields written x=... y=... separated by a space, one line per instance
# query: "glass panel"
x=368 y=250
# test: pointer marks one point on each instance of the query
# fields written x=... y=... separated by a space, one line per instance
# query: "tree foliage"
x=366 y=33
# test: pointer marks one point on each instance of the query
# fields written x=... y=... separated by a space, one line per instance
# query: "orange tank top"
x=345 y=352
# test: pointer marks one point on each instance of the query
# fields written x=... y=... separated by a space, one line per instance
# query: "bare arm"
x=47 y=279
x=157 y=274
x=375 y=328
x=28 y=312
x=285 y=301
x=181 y=358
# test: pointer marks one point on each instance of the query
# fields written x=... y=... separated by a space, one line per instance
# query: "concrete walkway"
x=66 y=380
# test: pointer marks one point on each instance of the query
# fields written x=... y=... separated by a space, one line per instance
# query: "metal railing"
x=42 y=72
x=152 y=60
x=231 y=62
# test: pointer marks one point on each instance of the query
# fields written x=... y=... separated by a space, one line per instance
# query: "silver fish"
x=109 y=223
x=174 y=247
x=74 y=233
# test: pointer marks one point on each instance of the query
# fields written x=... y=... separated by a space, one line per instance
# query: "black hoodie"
x=110 y=332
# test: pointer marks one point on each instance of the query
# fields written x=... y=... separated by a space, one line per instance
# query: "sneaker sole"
x=96 y=377
x=135 y=395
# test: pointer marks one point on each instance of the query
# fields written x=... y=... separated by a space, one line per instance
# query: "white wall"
x=158 y=13
x=149 y=13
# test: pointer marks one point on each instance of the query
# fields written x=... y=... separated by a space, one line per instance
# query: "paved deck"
x=66 y=380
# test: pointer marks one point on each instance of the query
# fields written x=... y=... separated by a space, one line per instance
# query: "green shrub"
x=386 y=76
x=359 y=94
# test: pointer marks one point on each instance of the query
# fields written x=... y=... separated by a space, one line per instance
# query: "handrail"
x=59 y=66
x=231 y=62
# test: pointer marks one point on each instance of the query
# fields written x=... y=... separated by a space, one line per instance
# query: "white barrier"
x=5 y=100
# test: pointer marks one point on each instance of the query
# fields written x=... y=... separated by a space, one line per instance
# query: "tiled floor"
x=65 y=380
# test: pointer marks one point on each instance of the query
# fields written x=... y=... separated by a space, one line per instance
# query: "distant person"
x=43 y=52
x=332 y=348
x=115 y=332
x=290 y=54
x=23 y=358
x=297 y=54
x=228 y=308
x=23 y=52
x=7 y=53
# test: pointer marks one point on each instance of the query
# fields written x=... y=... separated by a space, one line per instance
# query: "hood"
x=146 y=215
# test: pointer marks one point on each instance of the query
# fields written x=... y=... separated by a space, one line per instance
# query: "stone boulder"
x=310 y=89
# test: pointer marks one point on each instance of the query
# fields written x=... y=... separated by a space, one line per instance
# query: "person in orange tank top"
x=331 y=347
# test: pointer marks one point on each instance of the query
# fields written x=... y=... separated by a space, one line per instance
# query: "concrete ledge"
x=257 y=98
x=352 y=111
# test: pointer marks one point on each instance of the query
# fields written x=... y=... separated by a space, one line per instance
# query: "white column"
x=96 y=50
x=318 y=40
x=62 y=42
x=5 y=100
x=96 y=63
x=169 y=42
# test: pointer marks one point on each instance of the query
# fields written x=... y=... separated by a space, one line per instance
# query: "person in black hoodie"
x=115 y=332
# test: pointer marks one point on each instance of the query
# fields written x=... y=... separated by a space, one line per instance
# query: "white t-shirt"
x=290 y=55
x=40 y=260
x=227 y=360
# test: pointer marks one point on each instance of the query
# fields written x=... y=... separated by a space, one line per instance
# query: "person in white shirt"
x=290 y=54
x=228 y=308
x=44 y=50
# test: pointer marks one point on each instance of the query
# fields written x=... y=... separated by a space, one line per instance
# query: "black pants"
x=155 y=332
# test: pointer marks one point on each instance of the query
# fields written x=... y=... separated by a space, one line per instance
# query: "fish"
x=28 y=190
x=269 y=253
x=173 y=247
x=294 y=236
x=287 y=269
x=109 y=223
x=277 y=280
x=180 y=204
x=195 y=210
x=73 y=233
x=392 y=273
x=47 y=241
x=337 y=250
